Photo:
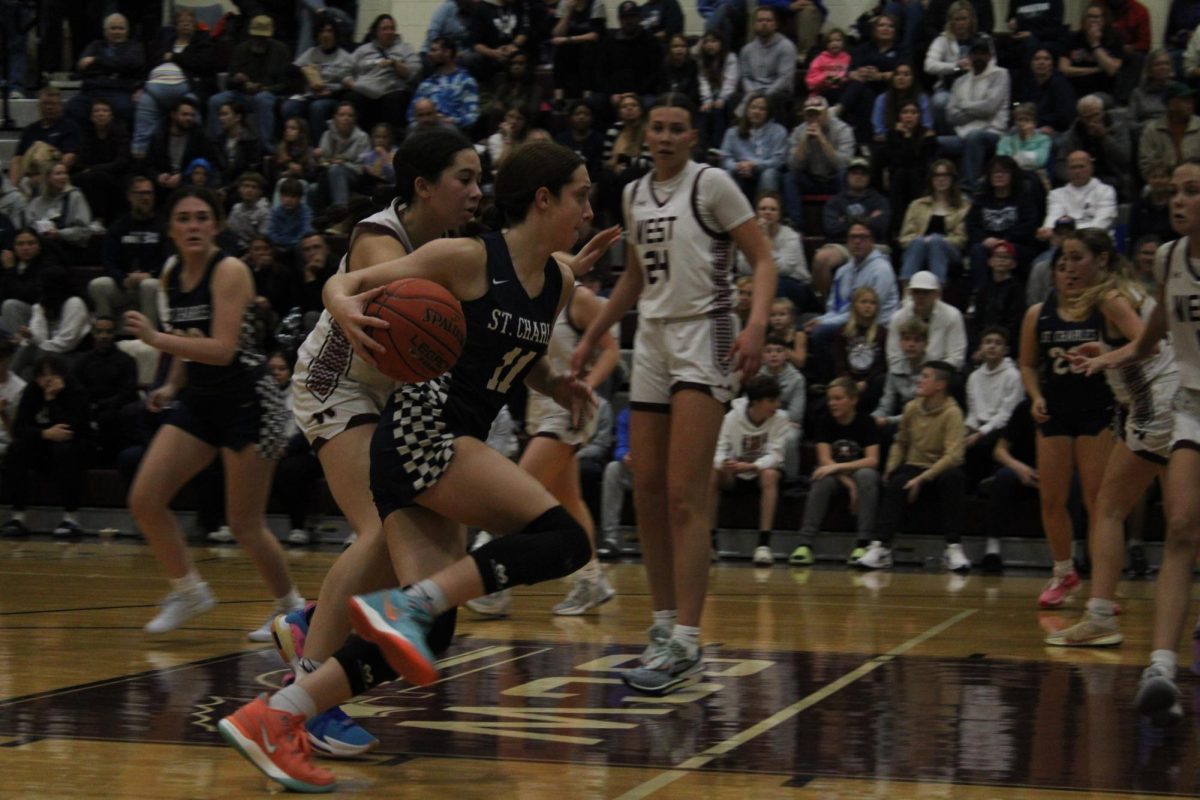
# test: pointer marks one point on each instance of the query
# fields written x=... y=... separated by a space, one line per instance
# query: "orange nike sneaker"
x=277 y=743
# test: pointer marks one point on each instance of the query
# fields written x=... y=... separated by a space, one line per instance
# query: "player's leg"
x=695 y=422
x=552 y=461
x=1127 y=476
x=1056 y=466
x=362 y=567
x=247 y=489
x=173 y=459
x=768 y=501
x=537 y=540
x=649 y=437
x=1158 y=696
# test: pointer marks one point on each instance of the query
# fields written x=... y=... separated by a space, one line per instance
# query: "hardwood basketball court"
x=821 y=683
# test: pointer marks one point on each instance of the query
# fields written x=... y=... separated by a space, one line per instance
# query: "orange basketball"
x=427 y=330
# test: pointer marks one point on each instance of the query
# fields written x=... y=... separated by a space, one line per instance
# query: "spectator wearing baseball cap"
x=1000 y=301
x=631 y=59
x=258 y=73
x=978 y=110
x=819 y=148
x=947 y=332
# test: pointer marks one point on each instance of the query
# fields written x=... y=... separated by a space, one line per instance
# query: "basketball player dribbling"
x=431 y=471
x=685 y=221
x=338 y=400
x=219 y=400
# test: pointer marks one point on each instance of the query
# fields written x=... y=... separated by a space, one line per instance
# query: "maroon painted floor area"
x=979 y=720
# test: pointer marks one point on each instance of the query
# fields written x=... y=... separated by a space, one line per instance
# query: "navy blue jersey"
x=507 y=332
x=1068 y=392
x=190 y=312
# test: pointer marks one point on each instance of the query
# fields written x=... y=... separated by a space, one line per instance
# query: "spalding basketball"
x=426 y=330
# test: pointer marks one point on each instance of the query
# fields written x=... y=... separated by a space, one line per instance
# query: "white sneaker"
x=494 y=606
x=298 y=536
x=583 y=597
x=178 y=607
x=1158 y=697
x=656 y=653
x=222 y=534
x=763 y=557
x=955 y=559
x=607 y=590
x=876 y=557
x=262 y=633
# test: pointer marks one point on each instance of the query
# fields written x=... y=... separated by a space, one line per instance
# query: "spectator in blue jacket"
x=292 y=218
x=753 y=153
x=453 y=91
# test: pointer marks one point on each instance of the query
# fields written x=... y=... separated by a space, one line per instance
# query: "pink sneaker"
x=1056 y=591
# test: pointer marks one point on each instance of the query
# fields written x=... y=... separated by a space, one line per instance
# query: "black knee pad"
x=552 y=546
x=363 y=664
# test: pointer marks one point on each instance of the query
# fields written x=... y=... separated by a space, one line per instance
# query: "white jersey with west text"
x=1180 y=277
x=680 y=230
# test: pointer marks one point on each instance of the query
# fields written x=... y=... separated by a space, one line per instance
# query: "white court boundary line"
x=688 y=767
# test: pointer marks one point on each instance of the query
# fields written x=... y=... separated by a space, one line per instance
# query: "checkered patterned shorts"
x=411 y=447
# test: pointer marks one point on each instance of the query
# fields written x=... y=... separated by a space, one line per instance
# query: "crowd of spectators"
x=914 y=202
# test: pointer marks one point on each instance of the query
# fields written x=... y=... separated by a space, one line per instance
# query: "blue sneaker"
x=397 y=624
x=289 y=632
x=679 y=671
x=334 y=734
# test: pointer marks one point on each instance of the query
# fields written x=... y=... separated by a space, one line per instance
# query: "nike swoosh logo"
x=266 y=740
x=497 y=283
x=389 y=610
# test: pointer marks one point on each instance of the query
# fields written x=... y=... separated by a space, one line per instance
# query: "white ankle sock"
x=993 y=546
x=1166 y=659
x=18 y=516
x=293 y=700
x=187 y=583
x=1099 y=607
x=431 y=595
x=688 y=635
x=1063 y=568
x=590 y=571
x=290 y=601
x=69 y=516
x=665 y=619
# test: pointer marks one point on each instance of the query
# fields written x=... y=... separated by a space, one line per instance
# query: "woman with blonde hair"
x=61 y=215
x=947 y=56
x=934 y=232
x=1144 y=391
x=1073 y=413
x=859 y=347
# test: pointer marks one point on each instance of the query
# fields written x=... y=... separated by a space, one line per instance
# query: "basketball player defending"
x=685 y=221
x=1177 y=270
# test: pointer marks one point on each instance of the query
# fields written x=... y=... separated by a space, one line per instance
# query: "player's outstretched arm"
x=747 y=348
x=624 y=295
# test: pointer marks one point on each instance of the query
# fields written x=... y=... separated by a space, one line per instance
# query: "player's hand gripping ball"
x=427 y=330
